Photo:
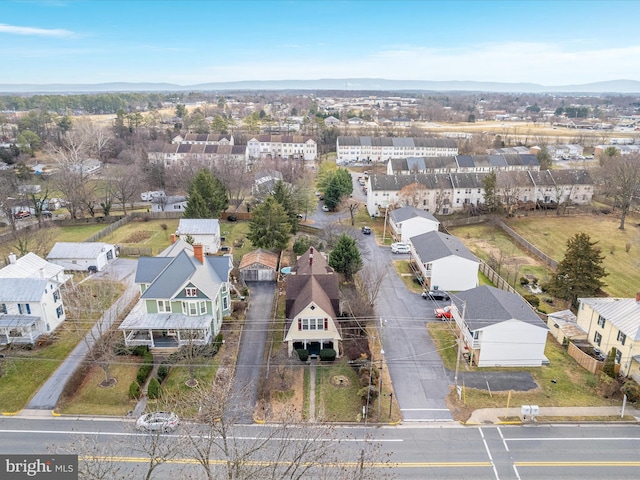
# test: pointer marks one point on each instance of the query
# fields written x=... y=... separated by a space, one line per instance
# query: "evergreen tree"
x=579 y=274
x=491 y=199
x=269 y=226
x=213 y=194
x=283 y=195
x=339 y=186
x=196 y=207
x=345 y=257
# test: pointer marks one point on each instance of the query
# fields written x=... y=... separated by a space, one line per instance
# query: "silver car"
x=157 y=422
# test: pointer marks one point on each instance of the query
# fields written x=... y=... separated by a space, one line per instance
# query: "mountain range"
x=355 y=84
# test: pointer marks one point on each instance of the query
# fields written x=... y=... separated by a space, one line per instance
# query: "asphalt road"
x=428 y=451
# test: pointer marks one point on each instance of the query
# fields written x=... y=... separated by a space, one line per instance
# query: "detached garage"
x=83 y=256
x=259 y=266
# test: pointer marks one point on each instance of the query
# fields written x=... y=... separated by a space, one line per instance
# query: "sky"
x=555 y=42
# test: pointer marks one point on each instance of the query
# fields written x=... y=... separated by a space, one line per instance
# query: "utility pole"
x=455 y=377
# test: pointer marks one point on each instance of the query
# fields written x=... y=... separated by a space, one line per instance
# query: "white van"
x=400 y=248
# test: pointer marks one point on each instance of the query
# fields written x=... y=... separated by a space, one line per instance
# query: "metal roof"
x=22 y=289
x=198 y=226
x=69 y=250
x=405 y=213
x=623 y=313
x=31 y=265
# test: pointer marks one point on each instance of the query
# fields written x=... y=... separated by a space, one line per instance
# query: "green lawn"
x=337 y=402
x=91 y=399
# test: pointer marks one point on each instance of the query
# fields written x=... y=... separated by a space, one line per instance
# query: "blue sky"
x=190 y=42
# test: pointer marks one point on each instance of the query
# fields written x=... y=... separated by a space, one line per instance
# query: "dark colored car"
x=439 y=295
x=366 y=230
x=92 y=269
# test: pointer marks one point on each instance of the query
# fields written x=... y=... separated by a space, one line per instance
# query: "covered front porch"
x=313 y=346
x=19 y=329
x=166 y=330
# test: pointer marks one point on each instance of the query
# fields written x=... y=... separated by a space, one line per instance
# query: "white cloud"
x=33 y=31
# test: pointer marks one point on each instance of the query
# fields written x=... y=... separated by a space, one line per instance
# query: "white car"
x=400 y=248
x=157 y=422
x=325 y=208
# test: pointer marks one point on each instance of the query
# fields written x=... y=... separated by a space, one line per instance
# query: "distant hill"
x=357 y=84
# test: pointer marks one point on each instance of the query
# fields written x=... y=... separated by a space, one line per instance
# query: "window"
x=164 y=306
x=597 y=338
x=59 y=311
x=601 y=321
x=193 y=309
x=312 y=324
x=4 y=308
x=225 y=303
x=618 y=356
x=56 y=295
x=24 y=308
x=622 y=338
x=191 y=292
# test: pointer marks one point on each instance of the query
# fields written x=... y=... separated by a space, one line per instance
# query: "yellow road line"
x=579 y=464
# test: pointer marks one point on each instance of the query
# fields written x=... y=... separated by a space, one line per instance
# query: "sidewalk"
x=494 y=415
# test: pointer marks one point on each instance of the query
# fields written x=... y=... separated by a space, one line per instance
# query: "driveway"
x=251 y=351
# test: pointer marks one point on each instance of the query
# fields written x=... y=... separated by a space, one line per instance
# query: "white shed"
x=82 y=255
x=203 y=231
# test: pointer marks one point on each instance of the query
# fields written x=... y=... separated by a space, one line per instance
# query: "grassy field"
x=155 y=234
x=337 y=402
x=621 y=248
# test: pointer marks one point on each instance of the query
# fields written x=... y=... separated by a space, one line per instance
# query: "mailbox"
x=535 y=410
x=525 y=410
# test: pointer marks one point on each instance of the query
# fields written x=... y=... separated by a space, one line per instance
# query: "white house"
x=30 y=299
x=82 y=255
x=499 y=328
x=444 y=262
x=172 y=203
x=300 y=147
x=407 y=222
x=204 y=231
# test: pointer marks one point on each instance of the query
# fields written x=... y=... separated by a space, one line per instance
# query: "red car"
x=444 y=312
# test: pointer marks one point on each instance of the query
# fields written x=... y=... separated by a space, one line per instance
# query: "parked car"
x=366 y=230
x=439 y=295
x=400 y=248
x=22 y=214
x=443 y=313
x=92 y=269
x=157 y=422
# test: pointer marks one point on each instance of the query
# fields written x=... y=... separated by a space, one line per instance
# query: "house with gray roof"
x=203 y=231
x=312 y=306
x=444 y=262
x=614 y=323
x=30 y=299
x=185 y=294
x=381 y=149
x=409 y=221
x=462 y=164
x=499 y=328
x=80 y=256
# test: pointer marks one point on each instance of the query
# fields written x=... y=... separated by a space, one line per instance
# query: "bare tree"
x=33 y=239
x=621 y=175
x=236 y=178
x=369 y=280
x=123 y=186
x=350 y=206
x=412 y=194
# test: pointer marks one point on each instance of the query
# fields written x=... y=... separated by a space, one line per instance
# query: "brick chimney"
x=198 y=253
x=638 y=297
x=173 y=238
x=310 y=255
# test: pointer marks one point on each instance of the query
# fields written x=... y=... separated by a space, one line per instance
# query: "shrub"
x=301 y=245
x=217 y=343
x=632 y=390
x=140 y=350
x=145 y=369
x=328 y=354
x=232 y=218
x=609 y=367
x=303 y=354
x=134 y=390
x=524 y=281
x=533 y=300
x=153 y=389
x=163 y=372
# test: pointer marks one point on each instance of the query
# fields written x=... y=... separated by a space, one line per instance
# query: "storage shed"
x=259 y=265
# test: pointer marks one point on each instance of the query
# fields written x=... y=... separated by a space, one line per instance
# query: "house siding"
x=497 y=347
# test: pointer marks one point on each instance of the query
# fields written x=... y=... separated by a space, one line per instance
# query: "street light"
x=380 y=383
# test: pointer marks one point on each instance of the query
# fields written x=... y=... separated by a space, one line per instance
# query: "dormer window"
x=191 y=292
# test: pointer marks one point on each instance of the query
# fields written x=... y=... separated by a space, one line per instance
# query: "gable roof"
x=434 y=245
x=484 y=306
x=198 y=226
x=311 y=262
x=167 y=275
x=78 y=249
x=405 y=213
x=307 y=289
x=31 y=265
x=263 y=257
x=623 y=313
x=22 y=289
